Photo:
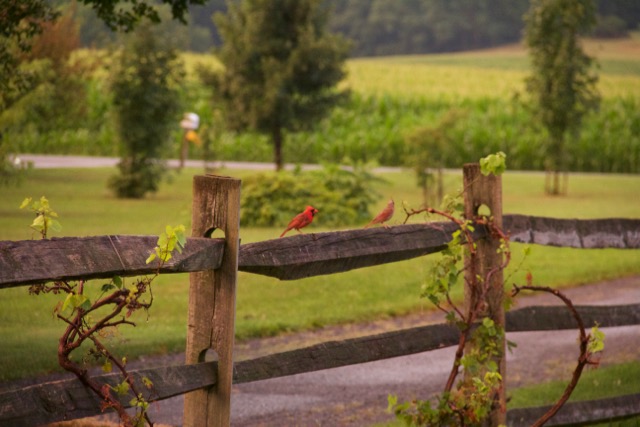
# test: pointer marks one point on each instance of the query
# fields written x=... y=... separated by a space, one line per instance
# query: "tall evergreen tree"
x=562 y=83
x=281 y=67
x=146 y=107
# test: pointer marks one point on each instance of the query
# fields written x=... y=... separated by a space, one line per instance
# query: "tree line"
x=390 y=27
x=386 y=27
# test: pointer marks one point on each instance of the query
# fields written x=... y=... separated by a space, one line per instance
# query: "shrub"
x=343 y=196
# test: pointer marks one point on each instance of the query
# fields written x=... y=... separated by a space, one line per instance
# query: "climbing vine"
x=472 y=399
x=91 y=322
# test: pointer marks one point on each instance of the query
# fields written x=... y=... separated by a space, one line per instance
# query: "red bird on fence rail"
x=301 y=220
x=383 y=216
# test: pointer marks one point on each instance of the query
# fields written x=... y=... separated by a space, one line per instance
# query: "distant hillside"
x=396 y=27
x=391 y=27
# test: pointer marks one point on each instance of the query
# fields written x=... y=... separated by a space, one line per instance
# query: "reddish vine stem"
x=456 y=361
x=79 y=331
x=64 y=351
x=583 y=360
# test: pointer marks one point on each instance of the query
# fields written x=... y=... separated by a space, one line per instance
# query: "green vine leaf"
x=494 y=164
x=596 y=340
x=107 y=287
x=173 y=239
x=147 y=382
x=122 y=388
x=75 y=301
x=44 y=222
x=117 y=281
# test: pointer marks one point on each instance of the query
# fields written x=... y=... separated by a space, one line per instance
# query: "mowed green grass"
x=266 y=306
x=609 y=381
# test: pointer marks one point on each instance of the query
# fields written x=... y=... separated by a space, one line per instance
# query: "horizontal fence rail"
x=35 y=261
x=306 y=255
x=621 y=233
x=68 y=399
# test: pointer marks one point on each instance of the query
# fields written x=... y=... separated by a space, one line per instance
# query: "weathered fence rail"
x=58 y=400
x=305 y=255
x=28 y=262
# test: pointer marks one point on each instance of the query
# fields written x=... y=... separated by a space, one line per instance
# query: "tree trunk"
x=276 y=138
x=555 y=190
x=440 y=185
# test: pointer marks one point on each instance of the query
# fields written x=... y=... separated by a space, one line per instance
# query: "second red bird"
x=383 y=216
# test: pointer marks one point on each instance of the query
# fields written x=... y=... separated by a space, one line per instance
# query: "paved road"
x=46 y=161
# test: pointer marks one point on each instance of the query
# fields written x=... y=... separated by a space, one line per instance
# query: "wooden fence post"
x=486 y=192
x=212 y=299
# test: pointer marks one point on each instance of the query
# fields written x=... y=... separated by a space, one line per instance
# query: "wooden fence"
x=213 y=264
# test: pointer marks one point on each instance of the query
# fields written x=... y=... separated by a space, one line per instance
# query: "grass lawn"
x=266 y=306
x=610 y=381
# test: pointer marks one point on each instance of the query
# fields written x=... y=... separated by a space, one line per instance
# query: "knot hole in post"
x=482 y=211
x=214 y=233
x=208 y=355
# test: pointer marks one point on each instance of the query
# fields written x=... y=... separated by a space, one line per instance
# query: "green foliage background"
x=392 y=97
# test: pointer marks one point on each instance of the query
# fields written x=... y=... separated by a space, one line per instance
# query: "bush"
x=343 y=196
x=137 y=177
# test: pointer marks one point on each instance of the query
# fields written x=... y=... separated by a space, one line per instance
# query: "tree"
x=281 y=67
x=146 y=106
x=21 y=21
x=562 y=84
x=57 y=99
x=426 y=150
x=118 y=15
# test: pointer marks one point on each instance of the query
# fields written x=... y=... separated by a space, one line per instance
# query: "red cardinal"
x=301 y=220
x=383 y=216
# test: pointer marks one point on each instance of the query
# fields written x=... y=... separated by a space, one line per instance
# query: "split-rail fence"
x=213 y=264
